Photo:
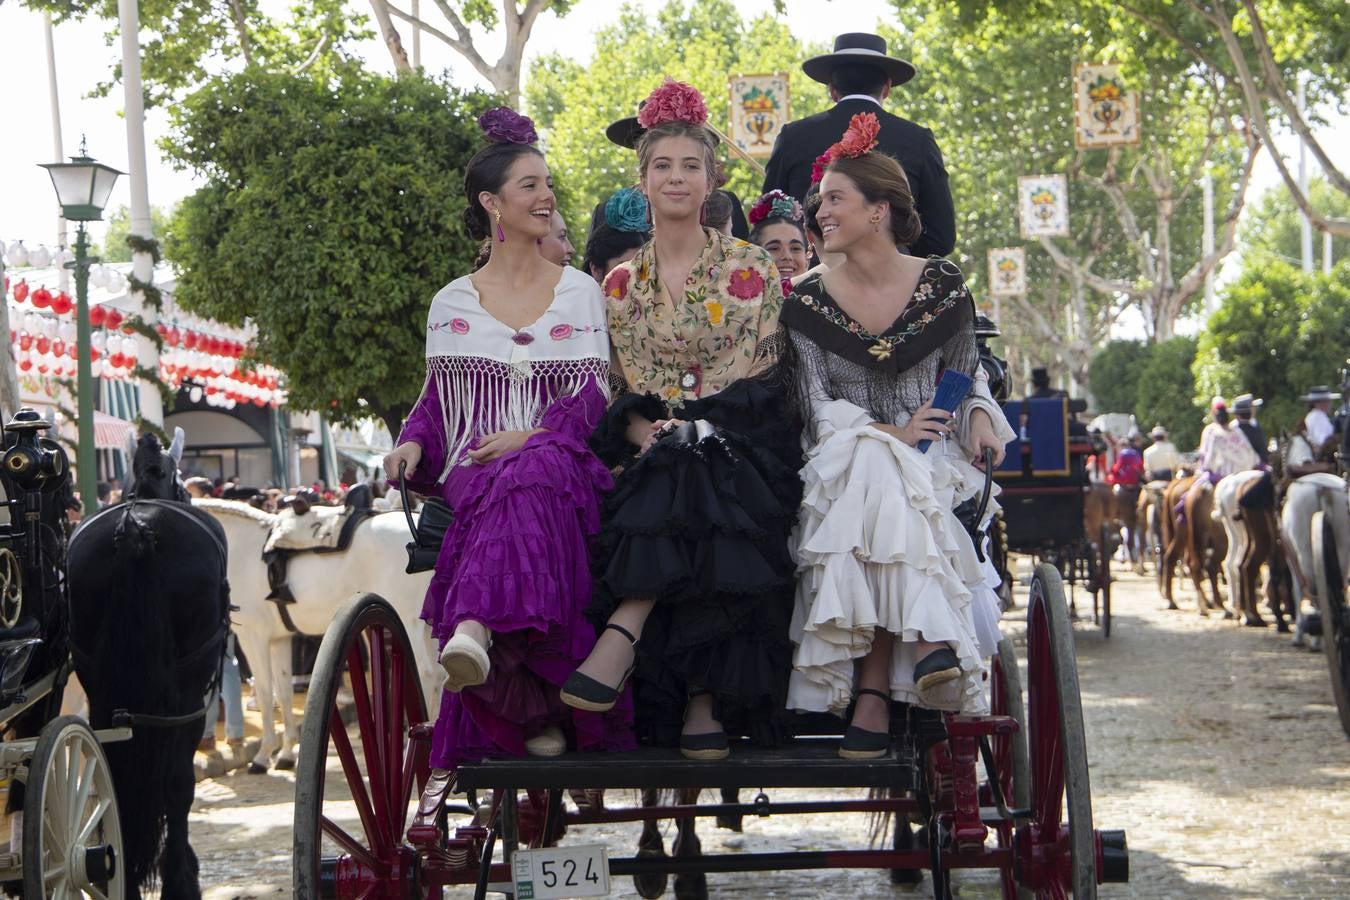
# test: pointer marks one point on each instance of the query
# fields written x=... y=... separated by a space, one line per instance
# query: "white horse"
x=1307 y=495
x=321 y=584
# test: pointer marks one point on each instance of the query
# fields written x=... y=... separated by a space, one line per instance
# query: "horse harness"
x=278 y=561
x=122 y=718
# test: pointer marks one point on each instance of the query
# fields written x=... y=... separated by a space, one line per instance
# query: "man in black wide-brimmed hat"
x=860 y=75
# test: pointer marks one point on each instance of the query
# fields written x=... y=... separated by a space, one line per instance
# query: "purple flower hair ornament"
x=503 y=125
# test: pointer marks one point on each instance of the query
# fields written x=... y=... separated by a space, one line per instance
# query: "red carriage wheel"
x=358 y=771
x=1057 y=849
x=1010 y=751
x=1330 y=580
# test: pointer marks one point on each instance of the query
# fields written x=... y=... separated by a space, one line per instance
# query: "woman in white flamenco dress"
x=892 y=603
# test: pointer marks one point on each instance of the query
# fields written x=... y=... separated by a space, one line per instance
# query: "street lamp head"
x=82 y=186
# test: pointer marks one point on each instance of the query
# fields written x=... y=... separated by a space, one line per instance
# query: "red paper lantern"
x=43 y=344
x=94 y=353
x=173 y=337
x=42 y=298
x=97 y=316
x=74 y=352
x=190 y=340
x=62 y=304
x=21 y=291
x=25 y=341
x=58 y=347
x=26 y=364
x=113 y=320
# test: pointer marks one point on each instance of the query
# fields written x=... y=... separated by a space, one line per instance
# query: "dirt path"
x=1217 y=748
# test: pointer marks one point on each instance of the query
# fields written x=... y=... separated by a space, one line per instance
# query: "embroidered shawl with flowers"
x=722 y=328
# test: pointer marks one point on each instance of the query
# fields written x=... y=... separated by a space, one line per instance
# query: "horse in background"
x=1193 y=536
x=1245 y=505
x=149 y=610
x=1305 y=496
x=321 y=583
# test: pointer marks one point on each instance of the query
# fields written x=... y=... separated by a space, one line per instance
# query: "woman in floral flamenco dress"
x=517 y=379
x=892 y=602
x=693 y=585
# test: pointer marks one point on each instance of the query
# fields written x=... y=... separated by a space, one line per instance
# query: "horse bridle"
x=123 y=718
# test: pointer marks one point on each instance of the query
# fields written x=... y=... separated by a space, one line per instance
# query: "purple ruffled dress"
x=515 y=559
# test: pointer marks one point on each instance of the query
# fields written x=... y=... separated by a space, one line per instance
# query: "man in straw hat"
x=860 y=75
x=1161 y=459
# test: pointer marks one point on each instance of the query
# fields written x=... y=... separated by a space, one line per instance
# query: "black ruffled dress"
x=700 y=523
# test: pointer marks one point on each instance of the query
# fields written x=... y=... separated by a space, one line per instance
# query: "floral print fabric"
x=695 y=345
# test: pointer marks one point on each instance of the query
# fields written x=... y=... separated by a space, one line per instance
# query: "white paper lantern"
x=96 y=368
x=63 y=256
x=32 y=323
x=116 y=282
x=40 y=258
x=195 y=395
x=17 y=255
x=50 y=326
x=98 y=276
x=67 y=332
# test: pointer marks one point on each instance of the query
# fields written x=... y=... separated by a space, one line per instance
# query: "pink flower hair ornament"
x=673 y=101
x=860 y=138
x=776 y=203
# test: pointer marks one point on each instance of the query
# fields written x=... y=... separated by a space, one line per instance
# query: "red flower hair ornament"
x=673 y=101
x=860 y=138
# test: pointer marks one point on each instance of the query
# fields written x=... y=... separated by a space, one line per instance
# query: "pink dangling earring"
x=501 y=235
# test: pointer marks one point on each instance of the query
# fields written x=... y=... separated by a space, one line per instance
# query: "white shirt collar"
x=868 y=97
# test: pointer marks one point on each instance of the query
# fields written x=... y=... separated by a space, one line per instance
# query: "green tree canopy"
x=1114 y=375
x=1271 y=227
x=702 y=43
x=115 y=247
x=331 y=214
x=1166 y=394
x=184 y=44
x=1277 y=332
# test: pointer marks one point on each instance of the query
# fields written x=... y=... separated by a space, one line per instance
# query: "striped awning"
x=110 y=432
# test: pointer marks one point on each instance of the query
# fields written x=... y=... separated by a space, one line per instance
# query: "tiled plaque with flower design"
x=1007 y=271
x=1105 y=113
x=759 y=109
x=1043 y=202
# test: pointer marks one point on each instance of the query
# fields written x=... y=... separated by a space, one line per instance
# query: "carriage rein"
x=122 y=718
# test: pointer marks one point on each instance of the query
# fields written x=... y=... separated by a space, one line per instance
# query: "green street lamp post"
x=82 y=188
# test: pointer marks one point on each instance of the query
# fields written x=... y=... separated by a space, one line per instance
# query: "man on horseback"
x=1161 y=458
x=1244 y=408
x=1317 y=423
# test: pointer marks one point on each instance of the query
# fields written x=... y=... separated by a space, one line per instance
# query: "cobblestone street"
x=1215 y=747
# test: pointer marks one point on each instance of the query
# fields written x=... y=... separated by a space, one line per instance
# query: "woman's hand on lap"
x=499 y=443
x=929 y=422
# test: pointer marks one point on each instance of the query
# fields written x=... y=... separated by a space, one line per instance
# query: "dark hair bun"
x=905 y=225
x=475 y=220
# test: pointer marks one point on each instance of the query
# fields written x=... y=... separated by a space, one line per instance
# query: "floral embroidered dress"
x=700 y=522
x=515 y=558
x=877 y=544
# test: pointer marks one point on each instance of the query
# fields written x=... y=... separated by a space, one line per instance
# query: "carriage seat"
x=17 y=646
x=304 y=527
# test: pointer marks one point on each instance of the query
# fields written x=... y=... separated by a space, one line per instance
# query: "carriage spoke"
x=379 y=737
x=83 y=787
x=353 y=846
x=96 y=893
x=94 y=821
x=370 y=744
x=398 y=731
x=355 y=782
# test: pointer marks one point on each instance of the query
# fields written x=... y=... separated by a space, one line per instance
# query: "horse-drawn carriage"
x=366 y=740
x=53 y=771
x=1044 y=487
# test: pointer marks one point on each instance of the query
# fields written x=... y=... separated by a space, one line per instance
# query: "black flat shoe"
x=711 y=745
x=584 y=692
x=936 y=668
x=859 y=743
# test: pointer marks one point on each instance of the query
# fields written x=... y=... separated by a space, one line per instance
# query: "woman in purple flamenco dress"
x=517 y=369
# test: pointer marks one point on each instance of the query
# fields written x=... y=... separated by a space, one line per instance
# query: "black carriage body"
x=1044 y=513
x=34 y=648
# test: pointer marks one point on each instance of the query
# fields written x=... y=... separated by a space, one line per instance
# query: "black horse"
x=149 y=608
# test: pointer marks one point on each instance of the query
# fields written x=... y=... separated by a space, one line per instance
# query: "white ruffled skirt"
x=878 y=546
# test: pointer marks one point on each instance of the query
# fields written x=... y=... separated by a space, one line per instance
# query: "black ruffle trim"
x=610 y=441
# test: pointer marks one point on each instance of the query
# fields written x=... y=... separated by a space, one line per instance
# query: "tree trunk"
x=392 y=40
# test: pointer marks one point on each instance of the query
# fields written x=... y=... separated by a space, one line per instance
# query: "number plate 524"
x=558 y=873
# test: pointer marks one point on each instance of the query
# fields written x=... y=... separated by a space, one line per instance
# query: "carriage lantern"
x=82 y=188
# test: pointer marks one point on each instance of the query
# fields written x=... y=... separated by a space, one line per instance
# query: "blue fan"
x=951 y=390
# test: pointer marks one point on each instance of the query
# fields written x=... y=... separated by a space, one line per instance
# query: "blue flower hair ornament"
x=626 y=210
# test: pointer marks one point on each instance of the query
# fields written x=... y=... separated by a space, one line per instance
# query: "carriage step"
x=804 y=763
